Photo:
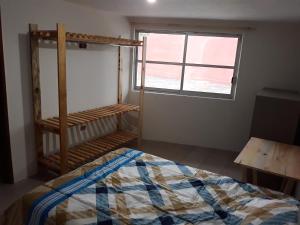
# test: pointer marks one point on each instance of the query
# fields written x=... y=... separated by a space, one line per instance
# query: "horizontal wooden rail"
x=85 y=38
x=44 y=34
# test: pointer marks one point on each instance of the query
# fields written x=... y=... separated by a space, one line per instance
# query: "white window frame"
x=183 y=64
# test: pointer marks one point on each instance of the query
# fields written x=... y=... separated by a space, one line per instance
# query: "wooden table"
x=271 y=157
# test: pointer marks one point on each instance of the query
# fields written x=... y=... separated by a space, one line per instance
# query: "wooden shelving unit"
x=90 y=150
x=70 y=158
x=81 y=118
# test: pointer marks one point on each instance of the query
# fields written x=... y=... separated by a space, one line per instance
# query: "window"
x=189 y=64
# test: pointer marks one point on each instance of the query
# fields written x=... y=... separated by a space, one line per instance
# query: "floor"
x=204 y=158
x=217 y=161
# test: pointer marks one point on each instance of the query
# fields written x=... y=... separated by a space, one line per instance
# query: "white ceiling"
x=257 y=10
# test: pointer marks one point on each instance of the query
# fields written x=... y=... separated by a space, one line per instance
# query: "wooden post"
x=119 y=124
x=289 y=186
x=142 y=91
x=36 y=90
x=245 y=175
x=62 y=97
x=254 y=177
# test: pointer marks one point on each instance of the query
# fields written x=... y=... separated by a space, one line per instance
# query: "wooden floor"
x=208 y=159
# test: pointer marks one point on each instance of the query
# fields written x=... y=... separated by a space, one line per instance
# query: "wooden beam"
x=36 y=90
x=119 y=124
x=62 y=97
x=96 y=39
x=85 y=38
x=44 y=34
x=142 y=92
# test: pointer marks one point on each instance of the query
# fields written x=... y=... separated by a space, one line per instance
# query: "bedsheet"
x=127 y=186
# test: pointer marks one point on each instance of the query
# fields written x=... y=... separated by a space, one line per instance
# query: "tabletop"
x=272 y=157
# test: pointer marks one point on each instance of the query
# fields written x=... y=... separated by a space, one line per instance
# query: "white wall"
x=92 y=74
x=270 y=58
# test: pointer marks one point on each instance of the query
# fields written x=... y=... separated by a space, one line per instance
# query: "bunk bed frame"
x=70 y=158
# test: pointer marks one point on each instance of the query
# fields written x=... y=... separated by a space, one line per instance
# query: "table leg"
x=245 y=175
x=254 y=177
x=288 y=187
x=249 y=176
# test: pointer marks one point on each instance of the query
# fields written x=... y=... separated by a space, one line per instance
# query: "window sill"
x=226 y=97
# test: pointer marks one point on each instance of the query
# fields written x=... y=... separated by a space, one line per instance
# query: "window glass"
x=161 y=76
x=211 y=50
x=204 y=63
x=207 y=79
x=163 y=47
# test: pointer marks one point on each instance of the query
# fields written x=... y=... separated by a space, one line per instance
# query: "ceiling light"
x=151 y=1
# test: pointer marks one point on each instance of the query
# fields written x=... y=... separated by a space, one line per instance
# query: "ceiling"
x=255 y=10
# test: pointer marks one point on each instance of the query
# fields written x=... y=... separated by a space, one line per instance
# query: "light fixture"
x=151 y=1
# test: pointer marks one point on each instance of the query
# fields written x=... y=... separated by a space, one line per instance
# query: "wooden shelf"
x=89 y=151
x=85 y=38
x=81 y=118
x=71 y=158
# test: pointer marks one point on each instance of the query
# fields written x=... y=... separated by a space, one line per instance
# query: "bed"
x=127 y=186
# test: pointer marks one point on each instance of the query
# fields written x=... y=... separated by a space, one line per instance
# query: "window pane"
x=207 y=79
x=211 y=50
x=161 y=76
x=163 y=47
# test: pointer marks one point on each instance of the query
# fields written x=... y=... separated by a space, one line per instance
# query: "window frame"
x=182 y=92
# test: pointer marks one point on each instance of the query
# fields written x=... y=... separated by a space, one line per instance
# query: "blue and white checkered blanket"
x=132 y=187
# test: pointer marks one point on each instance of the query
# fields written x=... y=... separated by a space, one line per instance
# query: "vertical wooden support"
x=36 y=90
x=245 y=172
x=119 y=124
x=254 y=177
x=142 y=92
x=289 y=186
x=62 y=97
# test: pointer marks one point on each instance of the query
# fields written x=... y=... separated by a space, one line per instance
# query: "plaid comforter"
x=131 y=187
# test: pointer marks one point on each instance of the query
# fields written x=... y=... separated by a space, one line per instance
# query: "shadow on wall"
x=27 y=102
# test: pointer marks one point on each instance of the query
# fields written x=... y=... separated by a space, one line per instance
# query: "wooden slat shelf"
x=70 y=158
x=85 y=38
x=89 y=151
x=81 y=118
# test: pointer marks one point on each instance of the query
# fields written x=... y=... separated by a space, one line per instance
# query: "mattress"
x=127 y=186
